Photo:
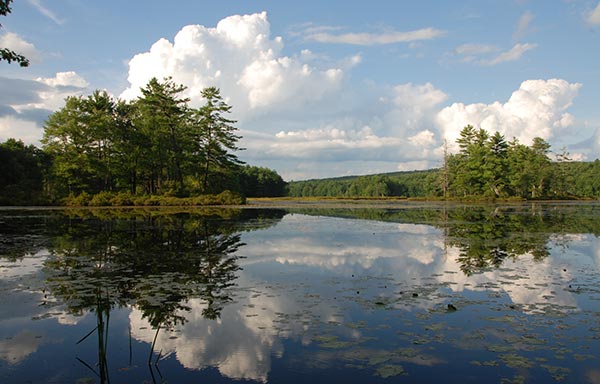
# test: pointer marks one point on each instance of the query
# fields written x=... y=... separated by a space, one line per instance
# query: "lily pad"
x=390 y=370
x=516 y=361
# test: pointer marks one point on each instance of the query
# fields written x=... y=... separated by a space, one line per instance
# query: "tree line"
x=413 y=184
x=156 y=145
x=101 y=151
x=487 y=166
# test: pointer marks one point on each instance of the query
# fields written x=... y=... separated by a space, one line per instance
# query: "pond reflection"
x=434 y=293
x=155 y=264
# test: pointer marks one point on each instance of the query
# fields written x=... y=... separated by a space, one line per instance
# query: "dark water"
x=427 y=294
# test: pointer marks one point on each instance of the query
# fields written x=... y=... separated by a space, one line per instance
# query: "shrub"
x=230 y=198
x=80 y=200
x=101 y=199
x=152 y=200
x=139 y=200
x=122 y=199
x=169 y=201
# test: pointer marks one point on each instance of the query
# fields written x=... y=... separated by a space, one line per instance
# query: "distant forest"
x=486 y=167
x=156 y=150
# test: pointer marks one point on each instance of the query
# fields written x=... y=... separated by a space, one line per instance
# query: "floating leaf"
x=390 y=370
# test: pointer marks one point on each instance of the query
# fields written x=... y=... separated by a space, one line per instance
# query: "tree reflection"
x=487 y=237
x=155 y=263
x=22 y=234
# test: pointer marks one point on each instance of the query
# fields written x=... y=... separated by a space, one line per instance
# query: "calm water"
x=349 y=294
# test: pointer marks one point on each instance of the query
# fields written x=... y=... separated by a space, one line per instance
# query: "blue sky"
x=324 y=88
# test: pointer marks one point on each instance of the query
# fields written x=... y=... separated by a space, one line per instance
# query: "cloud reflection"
x=15 y=349
x=275 y=303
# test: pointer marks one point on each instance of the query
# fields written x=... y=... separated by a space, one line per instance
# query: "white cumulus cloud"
x=240 y=57
x=64 y=79
x=337 y=141
x=536 y=109
x=398 y=128
x=62 y=85
x=413 y=106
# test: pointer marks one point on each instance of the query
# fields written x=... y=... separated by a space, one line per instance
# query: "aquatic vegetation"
x=389 y=370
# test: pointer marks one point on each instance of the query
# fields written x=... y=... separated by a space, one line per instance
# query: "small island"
x=156 y=150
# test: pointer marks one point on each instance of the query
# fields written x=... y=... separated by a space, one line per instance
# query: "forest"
x=156 y=150
x=487 y=166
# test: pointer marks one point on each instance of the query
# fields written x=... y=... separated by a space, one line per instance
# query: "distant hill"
x=405 y=184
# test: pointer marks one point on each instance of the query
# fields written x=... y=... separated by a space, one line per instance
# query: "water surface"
x=417 y=293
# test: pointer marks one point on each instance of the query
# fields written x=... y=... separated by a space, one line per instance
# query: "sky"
x=324 y=88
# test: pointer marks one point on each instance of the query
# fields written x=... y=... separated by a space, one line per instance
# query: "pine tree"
x=215 y=142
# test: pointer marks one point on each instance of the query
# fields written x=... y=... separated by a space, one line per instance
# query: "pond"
x=353 y=293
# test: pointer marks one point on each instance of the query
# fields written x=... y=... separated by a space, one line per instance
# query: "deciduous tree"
x=79 y=137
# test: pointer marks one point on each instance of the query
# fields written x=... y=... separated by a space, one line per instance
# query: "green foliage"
x=214 y=141
x=402 y=184
x=161 y=120
x=230 y=198
x=79 y=137
x=10 y=56
x=101 y=199
x=471 y=178
x=586 y=177
x=121 y=199
x=487 y=166
x=261 y=182
x=22 y=170
x=80 y=200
